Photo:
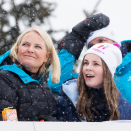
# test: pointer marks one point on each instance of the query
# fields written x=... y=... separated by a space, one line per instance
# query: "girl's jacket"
x=66 y=103
x=123 y=77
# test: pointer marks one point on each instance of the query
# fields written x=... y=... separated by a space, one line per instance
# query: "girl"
x=93 y=96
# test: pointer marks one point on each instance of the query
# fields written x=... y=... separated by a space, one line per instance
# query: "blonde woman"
x=93 y=97
x=21 y=75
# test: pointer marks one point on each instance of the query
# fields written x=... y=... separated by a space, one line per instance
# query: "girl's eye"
x=39 y=47
x=85 y=63
x=96 y=64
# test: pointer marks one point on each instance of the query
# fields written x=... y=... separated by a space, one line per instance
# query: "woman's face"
x=32 y=51
x=93 y=71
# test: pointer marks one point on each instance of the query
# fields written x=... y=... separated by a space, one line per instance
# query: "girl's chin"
x=92 y=86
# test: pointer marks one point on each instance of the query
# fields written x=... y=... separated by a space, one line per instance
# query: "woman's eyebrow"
x=25 y=42
x=38 y=44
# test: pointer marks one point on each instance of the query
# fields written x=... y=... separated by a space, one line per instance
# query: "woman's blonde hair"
x=85 y=96
x=53 y=58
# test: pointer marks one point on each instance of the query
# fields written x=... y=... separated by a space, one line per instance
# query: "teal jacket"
x=67 y=61
x=123 y=77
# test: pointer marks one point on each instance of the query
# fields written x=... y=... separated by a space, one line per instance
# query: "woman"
x=21 y=75
x=93 y=97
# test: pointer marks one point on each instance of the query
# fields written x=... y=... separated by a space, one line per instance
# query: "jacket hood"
x=13 y=68
x=70 y=89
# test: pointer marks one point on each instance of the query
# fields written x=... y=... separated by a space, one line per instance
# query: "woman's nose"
x=31 y=49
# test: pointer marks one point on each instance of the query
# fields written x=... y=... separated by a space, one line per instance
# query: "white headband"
x=108 y=32
x=109 y=53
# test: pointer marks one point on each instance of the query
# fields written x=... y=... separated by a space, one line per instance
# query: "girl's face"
x=93 y=71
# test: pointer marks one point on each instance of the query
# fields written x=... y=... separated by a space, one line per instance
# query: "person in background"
x=123 y=72
x=71 y=46
x=93 y=30
x=21 y=75
x=94 y=97
x=105 y=35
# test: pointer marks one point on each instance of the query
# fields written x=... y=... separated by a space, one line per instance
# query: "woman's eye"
x=39 y=47
x=24 y=44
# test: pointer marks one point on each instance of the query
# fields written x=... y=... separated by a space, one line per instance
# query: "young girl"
x=93 y=96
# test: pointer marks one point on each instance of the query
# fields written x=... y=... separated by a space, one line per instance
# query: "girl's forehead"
x=92 y=57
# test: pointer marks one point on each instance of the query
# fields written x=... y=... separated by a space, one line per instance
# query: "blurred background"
x=57 y=17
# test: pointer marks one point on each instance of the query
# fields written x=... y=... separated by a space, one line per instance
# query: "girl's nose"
x=89 y=68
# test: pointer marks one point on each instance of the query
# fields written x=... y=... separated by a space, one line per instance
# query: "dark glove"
x=128 y=45
x=75 y=40
x=90 y=24
x=73 y=43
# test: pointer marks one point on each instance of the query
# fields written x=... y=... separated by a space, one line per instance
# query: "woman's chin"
x=30 y=68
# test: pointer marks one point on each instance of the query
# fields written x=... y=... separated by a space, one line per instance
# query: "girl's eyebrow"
x=96 y=61
x=85 y=59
